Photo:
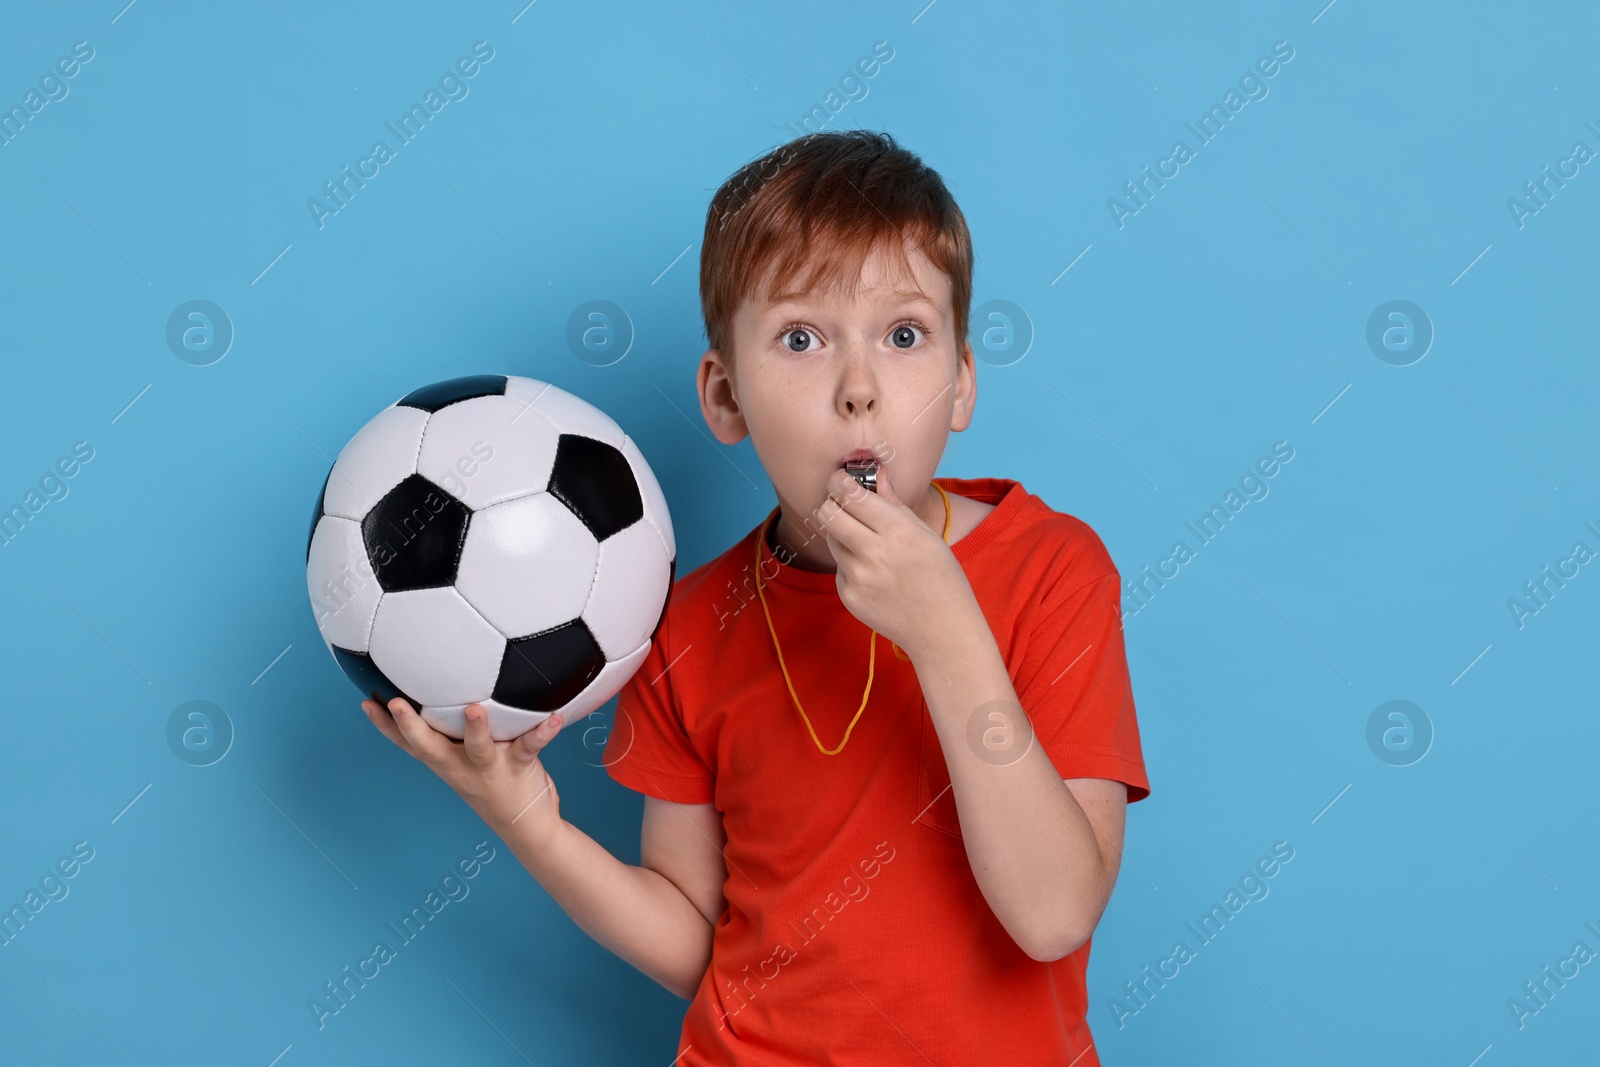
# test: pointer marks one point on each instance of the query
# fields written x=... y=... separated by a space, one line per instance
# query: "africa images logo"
x=338 y=992
x=1140 y=991
x=452 y=87
x=812 y=924
x=1252 y=84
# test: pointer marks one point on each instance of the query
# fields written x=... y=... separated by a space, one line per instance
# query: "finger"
x=839 y=520
x=526 y=748
x=870 y=514
x=841 y=551
x=426 y=742
x=848 y=490
x=885 y=485
x=851 y=496
x=380 y=717
x=477 y=742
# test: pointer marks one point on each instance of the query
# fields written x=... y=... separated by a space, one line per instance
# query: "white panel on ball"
x=630 y=584
x=381 y=455
x=344 y=590
x=487 y=450
x=504 y=723
x=527 y=564
x=568 y=413
x=435 y=646
x=655 y=501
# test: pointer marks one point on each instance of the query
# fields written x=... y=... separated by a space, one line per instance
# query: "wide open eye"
x=905 y=335
x=799 y=339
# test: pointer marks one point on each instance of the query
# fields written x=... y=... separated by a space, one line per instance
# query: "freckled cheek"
x=792 y=428
x=800 y=408
x=798 y=419
x=917 y=408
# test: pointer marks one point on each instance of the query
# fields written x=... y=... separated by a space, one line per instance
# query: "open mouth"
x=862 y=465
x=858 y=458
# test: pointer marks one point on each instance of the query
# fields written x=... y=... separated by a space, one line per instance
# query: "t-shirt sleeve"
x=1073 y=681
x=648 y=749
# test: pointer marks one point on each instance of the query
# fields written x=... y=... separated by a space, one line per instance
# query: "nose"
x=858 y=386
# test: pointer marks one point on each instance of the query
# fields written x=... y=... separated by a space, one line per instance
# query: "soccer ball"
x=493 y=540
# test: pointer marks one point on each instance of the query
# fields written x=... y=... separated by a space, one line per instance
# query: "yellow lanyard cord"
x=872 y=641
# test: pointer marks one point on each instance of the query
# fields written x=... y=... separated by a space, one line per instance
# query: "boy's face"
x=818 y=376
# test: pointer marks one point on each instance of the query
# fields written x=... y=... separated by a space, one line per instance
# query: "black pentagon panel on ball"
x=596 y=484
x=322 y=499
x=414 y=535
x=372 y=682
x=443 y=394
x=546 y=671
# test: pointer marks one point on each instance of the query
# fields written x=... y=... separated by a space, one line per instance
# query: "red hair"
x=829 y=200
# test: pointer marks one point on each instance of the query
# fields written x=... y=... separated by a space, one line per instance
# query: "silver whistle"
x=864 y=471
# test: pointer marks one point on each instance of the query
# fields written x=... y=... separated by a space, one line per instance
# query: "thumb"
x=885 y=485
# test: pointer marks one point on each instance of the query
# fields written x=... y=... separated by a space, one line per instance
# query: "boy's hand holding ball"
x=503 y=781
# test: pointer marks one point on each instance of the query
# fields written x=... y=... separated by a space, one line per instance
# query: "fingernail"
x=557 y=720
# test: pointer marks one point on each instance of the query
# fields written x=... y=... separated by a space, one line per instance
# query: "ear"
x=966 y=389
x=719 y=399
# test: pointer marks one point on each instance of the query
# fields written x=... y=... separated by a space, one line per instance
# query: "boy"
x=844 y=859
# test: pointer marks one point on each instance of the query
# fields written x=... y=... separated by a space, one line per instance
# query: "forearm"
x=634 y=912
x=1031 y=847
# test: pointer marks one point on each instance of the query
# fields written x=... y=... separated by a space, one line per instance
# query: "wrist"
x=531 y=834
x=952 y=640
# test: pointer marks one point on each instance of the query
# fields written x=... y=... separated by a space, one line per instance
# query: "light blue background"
x=1223 y=317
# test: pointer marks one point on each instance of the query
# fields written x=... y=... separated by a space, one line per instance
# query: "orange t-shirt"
x=855 y=933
